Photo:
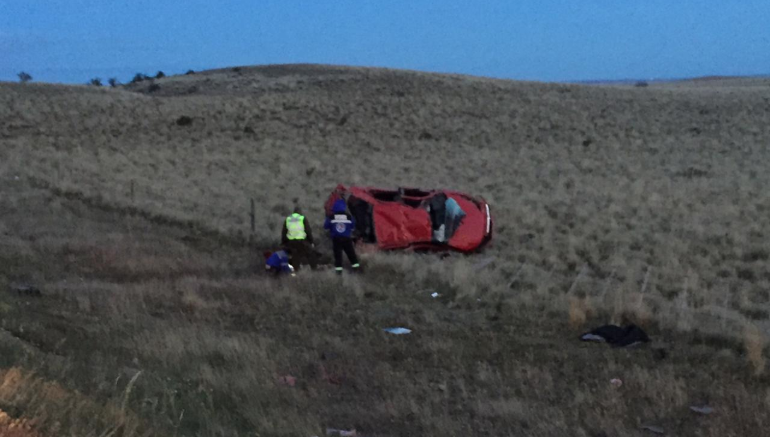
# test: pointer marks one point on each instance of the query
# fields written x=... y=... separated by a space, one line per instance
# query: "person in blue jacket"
x=340 y=226
x=278 y=263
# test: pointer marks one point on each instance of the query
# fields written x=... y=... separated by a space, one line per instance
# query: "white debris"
x=702 y=410
x=654 y=429
x=397 y=331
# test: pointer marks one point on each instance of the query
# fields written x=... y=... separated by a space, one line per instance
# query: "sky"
x=72 y=41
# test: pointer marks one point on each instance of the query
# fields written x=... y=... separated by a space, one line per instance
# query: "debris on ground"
x=329 y=377
x=616 y=336
x=287 y=380
x=616 y=382
x=341 y=432
x=654 y=429
x=329 y=355
x=434 y=295
x=705 y=409
x=184 y=121
x=26 y=290
x=397 y=331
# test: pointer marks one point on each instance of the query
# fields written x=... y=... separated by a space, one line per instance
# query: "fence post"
x=253 y=223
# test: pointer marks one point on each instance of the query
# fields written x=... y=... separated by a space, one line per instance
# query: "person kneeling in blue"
x=340 y=226
x=278 y=263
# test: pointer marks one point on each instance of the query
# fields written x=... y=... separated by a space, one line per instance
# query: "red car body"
x=408 y=218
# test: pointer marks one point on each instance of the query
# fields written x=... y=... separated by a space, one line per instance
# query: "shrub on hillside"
x=95 y=82
x=113 y=82
x=139 y=77
x=24 y=77
x=160 y=75
x=189 y=72
x=641 y=84
x=153 y=88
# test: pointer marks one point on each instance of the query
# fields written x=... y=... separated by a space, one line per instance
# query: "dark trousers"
x=342 y=244
x=301 y=253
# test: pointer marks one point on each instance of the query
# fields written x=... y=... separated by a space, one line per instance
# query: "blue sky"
x=547 y=40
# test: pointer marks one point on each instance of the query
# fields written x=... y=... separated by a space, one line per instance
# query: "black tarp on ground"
x=617 y=336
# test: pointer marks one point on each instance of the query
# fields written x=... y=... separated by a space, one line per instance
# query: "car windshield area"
x=414 y=192
x=445 y=217
x=386 y=195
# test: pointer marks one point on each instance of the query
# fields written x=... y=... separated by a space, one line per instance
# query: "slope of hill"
x=611 y=203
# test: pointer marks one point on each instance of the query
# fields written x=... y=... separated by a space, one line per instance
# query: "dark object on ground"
x=26 y=290
x=416 y=219
x=616 y=336
x=153 y=88
x=329 y=356
x=184 y=121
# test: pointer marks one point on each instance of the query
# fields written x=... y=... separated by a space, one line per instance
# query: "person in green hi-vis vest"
x=298 y=238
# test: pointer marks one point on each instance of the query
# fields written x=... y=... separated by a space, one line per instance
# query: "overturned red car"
x=410 y=218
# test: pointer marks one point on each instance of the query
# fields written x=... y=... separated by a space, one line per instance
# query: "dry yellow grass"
x=754 y=342
x=655 y=198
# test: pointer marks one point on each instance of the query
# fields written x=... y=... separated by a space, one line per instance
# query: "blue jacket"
x=279 y=260
x=340 y=224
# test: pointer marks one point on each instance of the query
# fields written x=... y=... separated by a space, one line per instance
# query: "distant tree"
x=95 y=82
x=189 y=72
x=139 y=77
x=24 y=77
x=113 y=82
x=641 y=84
x=160 y=75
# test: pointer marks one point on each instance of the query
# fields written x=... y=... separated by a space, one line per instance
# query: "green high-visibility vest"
x=295 y=227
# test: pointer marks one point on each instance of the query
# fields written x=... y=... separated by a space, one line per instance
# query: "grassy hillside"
x=611 y=204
